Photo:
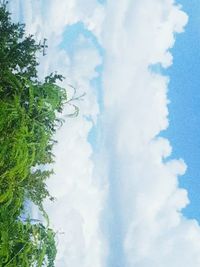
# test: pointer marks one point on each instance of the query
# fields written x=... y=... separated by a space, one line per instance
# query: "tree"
x=28 y=122
x=17 y=53
x=29 y=245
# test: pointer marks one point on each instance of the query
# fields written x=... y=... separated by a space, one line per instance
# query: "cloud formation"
x=136 y=36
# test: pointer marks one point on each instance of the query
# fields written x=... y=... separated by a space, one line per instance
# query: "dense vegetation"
x=28 y=120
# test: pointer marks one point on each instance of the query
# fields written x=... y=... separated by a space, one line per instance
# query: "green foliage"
x=16 y=52
x=26 y=244
x=28 y=122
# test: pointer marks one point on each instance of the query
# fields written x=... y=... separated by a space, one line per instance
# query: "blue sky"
x=184 y=94
x=120 y=191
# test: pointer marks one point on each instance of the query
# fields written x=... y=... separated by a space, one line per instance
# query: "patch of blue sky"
x=97 y=84
x=156 y=68
x=71 y=35
x=102 y=1
x=94 y=136
x=184 y=107
x=16 y=11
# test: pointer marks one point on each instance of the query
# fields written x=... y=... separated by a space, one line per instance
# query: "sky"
x=184 y=94
x=126 y=171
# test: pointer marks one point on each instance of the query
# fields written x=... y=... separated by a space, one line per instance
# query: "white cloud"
x=135 y=35
x=48 y=18
x=80 y=199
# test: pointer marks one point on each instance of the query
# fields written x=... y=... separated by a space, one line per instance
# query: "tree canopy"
x=28 y=121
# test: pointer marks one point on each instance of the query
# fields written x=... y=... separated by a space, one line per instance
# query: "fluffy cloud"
x=79 y=199
x=49 y=18
x=137 y=35
x=76 y=212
